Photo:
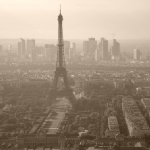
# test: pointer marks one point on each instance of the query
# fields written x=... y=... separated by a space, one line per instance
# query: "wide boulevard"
x=52 y=122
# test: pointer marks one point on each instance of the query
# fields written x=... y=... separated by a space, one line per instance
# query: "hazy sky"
x=82 y=18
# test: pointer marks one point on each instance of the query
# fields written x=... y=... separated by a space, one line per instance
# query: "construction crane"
x=113 y=34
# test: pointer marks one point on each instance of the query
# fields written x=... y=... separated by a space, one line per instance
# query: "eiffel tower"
x=61 y=71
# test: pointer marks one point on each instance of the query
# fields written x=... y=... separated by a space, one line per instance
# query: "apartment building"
x=136 y=123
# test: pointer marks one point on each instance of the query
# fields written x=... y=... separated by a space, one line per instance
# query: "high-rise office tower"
x=136 y=54
x=9 y=47
x=30 y=46
x=47 y=52
x=53 y=49
x=92 y=48
x=1 y=49
x=50 y=52
x=148 y=56
x=19 y=48
x=39 y=53
x=33 y=54
x=89 y=48
x=66 y=48
x=115 y=50
x=72 y=51
x=104 y=49
x=39 y=50
x=85 y=48
x=98 y=54
x=33 y=43
x=23 y=50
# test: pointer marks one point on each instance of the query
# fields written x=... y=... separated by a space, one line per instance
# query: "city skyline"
x=82 y=19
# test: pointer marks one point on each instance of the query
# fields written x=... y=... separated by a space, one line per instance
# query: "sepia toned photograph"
x=74 y=75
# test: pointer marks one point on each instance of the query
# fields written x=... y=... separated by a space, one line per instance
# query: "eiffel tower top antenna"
x=60 y=9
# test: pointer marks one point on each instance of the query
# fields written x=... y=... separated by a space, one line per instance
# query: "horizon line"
x=75 y=38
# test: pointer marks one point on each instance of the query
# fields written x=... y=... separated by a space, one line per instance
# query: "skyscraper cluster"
x=28 y=50
x=89 y=48
x=96 y=52
x=69 y=50
x=50 y=52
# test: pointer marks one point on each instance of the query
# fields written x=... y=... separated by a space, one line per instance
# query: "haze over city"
x=82 y=19
x=74 y=75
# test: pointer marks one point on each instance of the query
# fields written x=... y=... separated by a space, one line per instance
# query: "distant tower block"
x=136 y=54
x=23 y=50
x=9 y=47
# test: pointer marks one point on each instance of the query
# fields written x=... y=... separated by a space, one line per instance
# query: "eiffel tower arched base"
x=68 y=93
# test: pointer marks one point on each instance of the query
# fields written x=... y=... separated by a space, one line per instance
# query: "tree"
x=110 y=112
x=11 y=121
x=87 y=137
x=94 y=115
x=146 y=138
x=77 y=118
x=91 y=127
x=2 y=105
